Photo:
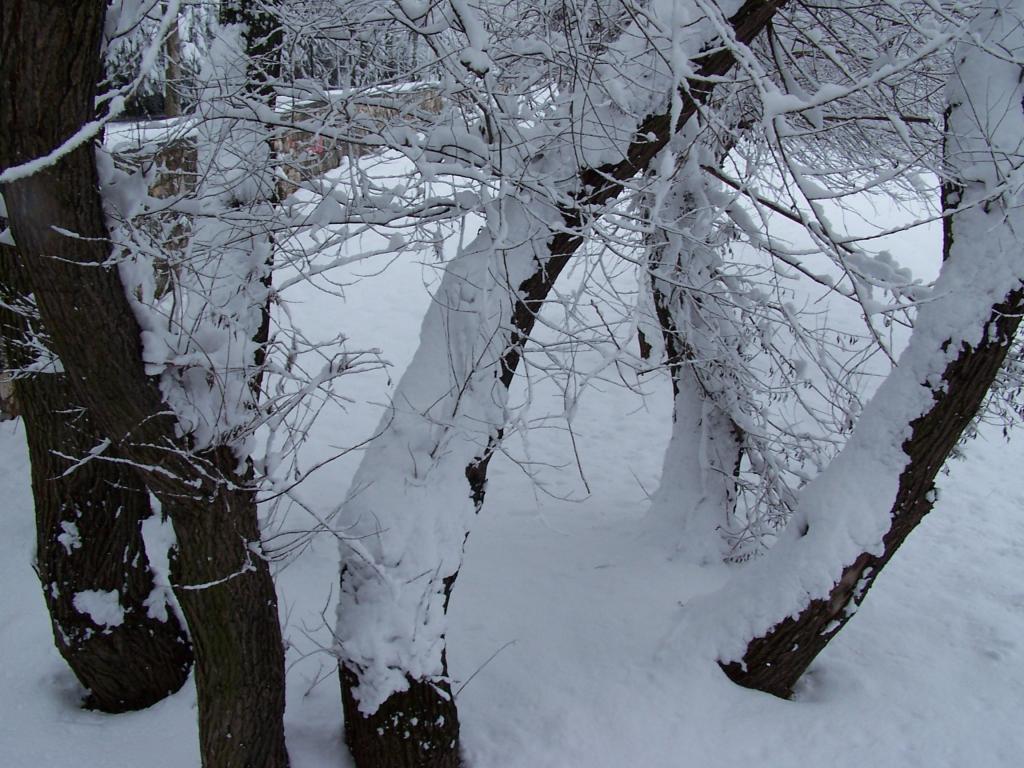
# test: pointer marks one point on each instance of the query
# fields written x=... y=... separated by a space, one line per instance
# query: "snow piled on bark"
x=638 y=75
x=409 y=508
x=103 y=607
x=199 y=325
x=845 y=510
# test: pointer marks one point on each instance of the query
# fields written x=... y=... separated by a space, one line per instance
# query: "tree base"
x=416 y=728
x=227 y=594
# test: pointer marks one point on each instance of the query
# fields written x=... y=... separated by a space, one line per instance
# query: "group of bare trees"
x=669 y=134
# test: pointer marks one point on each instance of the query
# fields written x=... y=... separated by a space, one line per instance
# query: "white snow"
x=69 y=537
x=199 y=337
x=562 y=609
x=102 y=606
x=574 y=637
x=158 y=535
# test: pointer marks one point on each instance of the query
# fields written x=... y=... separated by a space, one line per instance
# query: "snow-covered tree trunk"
x=420 y=484
x=111 y=621
x=49 y=67
x=688 y=298
x=414 y=496
x=263 y=38
x=172 y=69
x=777 y=615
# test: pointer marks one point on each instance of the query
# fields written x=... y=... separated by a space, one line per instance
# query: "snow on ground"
x=562 y=610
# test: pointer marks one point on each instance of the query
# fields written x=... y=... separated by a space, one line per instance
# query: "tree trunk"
x=49 y=66
x=223 y=583
x=775 y=661
x=981 y=277
x=8 y=405
x=172 y=69
x=697 y=492
x=89 y=539
x=136 y=660
x=264 y=38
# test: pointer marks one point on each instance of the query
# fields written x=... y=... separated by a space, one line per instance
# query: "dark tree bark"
x=223 y=583
x=425 y=700
x=417 y=728
x=89 y=537
x=49 y=66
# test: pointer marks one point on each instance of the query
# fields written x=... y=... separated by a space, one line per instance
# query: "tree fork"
x=600 y=186
x=605 y=183
x=233 y=620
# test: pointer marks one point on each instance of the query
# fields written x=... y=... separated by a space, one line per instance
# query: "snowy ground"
x=563 y=608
